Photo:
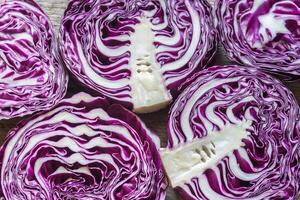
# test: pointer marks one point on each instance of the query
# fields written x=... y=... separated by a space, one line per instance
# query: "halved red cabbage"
x=137 y=52
x=234 y=134
x=32 y=77
x=261 y=33
x=82 y=149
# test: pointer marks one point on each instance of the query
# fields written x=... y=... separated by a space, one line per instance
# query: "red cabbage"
x=32 y=77
x=137 y=52
x=234 y=134
x=261 y=33
x=82 y=149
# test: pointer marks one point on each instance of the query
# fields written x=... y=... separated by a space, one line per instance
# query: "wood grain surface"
x=155 y=121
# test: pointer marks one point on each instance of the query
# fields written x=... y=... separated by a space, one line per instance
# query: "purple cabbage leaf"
x=83 y=148
x=137 y=53
x=234 y=134
x=32 y=77
x=261 y=33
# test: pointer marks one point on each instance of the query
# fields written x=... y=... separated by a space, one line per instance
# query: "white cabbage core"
x=148 y=90
x=192 y=159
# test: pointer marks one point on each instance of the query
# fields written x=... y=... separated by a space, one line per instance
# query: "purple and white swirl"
x=137 y=52
x=234 y=134
x=261 y=33
x=32 y=77
x=82 y=149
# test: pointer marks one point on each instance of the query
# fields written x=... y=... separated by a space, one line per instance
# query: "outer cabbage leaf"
x=261 y=33
x=234 y=134
x=82 y=149
x=137 y=52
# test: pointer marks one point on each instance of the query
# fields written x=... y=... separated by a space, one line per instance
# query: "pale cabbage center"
x=148 y=90
x=192 y=159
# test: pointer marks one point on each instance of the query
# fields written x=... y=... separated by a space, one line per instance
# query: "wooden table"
x=155 y=121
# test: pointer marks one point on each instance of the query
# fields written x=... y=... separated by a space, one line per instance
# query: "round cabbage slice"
x=82 y=149
x=261 y=33
x=137 y=52
x=32 y=77
x=234 y=134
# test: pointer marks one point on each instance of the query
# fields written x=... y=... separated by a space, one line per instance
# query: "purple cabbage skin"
x=32 y=77
x=82 y=149
x=97 y=36
x=261 y=33
x=265 y=165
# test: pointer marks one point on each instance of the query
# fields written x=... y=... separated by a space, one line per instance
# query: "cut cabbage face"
x=84 y=148
x=137 y=53
x=234 y=134
x=261 y=33
x=32 y=76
